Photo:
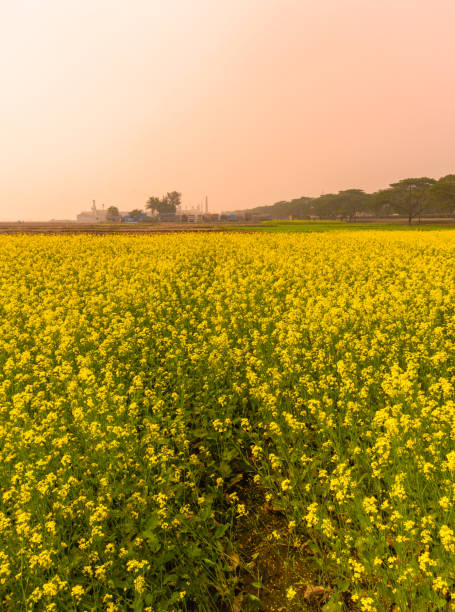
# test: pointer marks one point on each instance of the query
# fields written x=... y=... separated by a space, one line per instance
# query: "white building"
x=92 y=216
x=193 y=214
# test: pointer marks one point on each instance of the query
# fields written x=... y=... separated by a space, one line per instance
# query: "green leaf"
x=194 y=551
x=204 y=515
x=170 y=579
x=209 y=562
x=254 y=598
x=152 y=522
x=220 y=531
x=225 y=469
x=152 y=540
x=149 y=599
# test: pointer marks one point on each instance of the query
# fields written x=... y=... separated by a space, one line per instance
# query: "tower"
x=206 y=205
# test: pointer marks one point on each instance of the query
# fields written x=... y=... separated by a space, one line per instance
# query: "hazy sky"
x=249 y=101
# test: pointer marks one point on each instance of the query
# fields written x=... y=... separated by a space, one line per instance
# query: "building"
x=92 y=216
x=129 y=219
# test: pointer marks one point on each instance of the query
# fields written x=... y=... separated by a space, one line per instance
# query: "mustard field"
x=157 y=393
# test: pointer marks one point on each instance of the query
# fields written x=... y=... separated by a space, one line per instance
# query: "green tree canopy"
x=136 y=213
x=165 y=204
x=350 y=202
x=410 y=197
x=443 y=192
x=112 y=213
x=174 y=199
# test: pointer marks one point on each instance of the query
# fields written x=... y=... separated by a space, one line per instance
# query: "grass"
x=329 y=226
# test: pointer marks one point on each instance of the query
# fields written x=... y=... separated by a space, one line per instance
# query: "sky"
x=245 y=101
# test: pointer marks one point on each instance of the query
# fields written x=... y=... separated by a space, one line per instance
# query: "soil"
x=268 y=565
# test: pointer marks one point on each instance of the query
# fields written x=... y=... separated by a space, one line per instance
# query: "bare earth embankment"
x=102 y=228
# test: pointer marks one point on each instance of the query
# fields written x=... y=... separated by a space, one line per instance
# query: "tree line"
x=168 y=203
x=410 y=197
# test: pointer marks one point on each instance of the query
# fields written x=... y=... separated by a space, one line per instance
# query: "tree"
x=112 y=213
x=410 y=197
x=166 y=204
x=299 y=208
x=136 y=214
x=443 y=193
x=325 y=207
x=350 y=202
x=154 y=204
x=380 y=202
x=174 y=199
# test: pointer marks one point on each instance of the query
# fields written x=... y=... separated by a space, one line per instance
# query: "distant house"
x=129 y=219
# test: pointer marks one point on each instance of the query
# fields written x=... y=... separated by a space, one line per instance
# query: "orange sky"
x=249 y=101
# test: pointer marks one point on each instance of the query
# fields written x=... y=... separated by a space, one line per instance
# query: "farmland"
x=177 y=410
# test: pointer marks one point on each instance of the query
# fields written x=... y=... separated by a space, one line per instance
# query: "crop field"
x=331 y=226
x=261 y=421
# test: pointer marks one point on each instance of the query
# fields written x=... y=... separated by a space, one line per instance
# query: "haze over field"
x=249 y=101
